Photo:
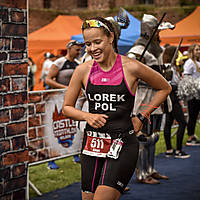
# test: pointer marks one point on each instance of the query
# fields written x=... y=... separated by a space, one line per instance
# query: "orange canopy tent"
x=188 y=29
x=51 y=38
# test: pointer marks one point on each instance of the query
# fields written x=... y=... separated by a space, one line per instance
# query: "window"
x=47 y=3
x=146 y=1
x=82 y=3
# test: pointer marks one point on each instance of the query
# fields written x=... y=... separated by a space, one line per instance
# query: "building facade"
x=103 y=4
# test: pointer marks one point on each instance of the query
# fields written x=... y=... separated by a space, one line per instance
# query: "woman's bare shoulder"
x=84 y=67
x=130 y=64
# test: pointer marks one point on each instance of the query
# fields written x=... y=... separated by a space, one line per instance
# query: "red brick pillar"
x=13 y=100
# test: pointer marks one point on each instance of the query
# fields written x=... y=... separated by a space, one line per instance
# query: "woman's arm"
x=51 y=76
x=136 y=70
x=156 y=81
x=80 y=76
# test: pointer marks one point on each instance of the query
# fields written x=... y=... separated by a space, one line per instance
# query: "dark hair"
x=111 y=28
x=168 y=54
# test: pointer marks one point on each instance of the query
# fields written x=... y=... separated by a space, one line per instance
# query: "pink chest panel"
x=112 y=77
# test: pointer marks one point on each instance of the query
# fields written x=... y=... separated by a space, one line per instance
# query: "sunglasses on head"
x=75 y=43
x=93 y=24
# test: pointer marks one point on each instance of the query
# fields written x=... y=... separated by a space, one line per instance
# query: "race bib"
x=97 y=144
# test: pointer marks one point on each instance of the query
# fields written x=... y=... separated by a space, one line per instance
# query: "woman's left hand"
x=137 y=124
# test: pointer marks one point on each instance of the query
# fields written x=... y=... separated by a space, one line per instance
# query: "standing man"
x=62 y=69
x=49 y=58
x=145 y=172
x=60 y=74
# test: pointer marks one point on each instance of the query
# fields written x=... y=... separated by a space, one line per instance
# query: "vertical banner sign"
x=51 y=134
x=61 y=132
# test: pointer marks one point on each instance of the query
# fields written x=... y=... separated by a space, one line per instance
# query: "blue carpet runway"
x=183 y=183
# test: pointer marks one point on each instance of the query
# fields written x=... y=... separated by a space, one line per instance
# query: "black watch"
x=141 y=117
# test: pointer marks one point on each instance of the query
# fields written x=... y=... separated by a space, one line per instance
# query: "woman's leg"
x=104 y=192
x=167 y=130
x=180 y=118
x=193 y=113
x=87 y=196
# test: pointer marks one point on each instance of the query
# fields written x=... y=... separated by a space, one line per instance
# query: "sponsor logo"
x=64 y=128
x=120 y=184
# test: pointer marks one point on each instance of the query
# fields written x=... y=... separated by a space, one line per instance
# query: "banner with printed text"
x=56 y=135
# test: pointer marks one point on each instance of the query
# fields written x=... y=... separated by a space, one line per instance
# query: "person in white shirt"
x=49 y=58
x=60 y=75
x=192 y=69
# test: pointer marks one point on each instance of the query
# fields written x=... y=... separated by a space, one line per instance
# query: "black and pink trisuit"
x=110 y=153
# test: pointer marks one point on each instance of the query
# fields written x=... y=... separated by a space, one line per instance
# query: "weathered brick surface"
x=19 y=195
x=4 y=85
x=18 y=170
x=1 y=188
x=15 y=158
x=19 y=143
x=32 y=133
x=15 y=183
x=4 y=146
x=40 y=132
x=34 y=97
x=19 y=84
x=16 y=128
x=18 y=113
x=74 y=4
x=18 y=44
x=40 y=108
x=99 y=5
x=1 y=101
x=4 y=116
x=2 y=132
x=6 y=197
x=34 y=121
x=3 y=56
x=17 y=16
x=16 y=56
x=14 y=4
x=31 y=109
x=5 y=173
x=10 y=69
x=14 y=30
x=15 y=99
x=37 y=144
x=0 y=69
x=4 y=14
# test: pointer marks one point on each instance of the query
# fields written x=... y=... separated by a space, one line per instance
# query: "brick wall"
x=54 y=4
x=167 y=3
x=13 y=100
x=98 y=4
x=38 y=149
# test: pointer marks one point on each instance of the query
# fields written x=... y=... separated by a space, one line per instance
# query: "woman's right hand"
x=96 y=120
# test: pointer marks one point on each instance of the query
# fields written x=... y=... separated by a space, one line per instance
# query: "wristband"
x=141 y=117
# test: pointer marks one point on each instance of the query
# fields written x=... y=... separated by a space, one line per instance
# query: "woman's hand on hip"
x=137 y=124
x=96 y=120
